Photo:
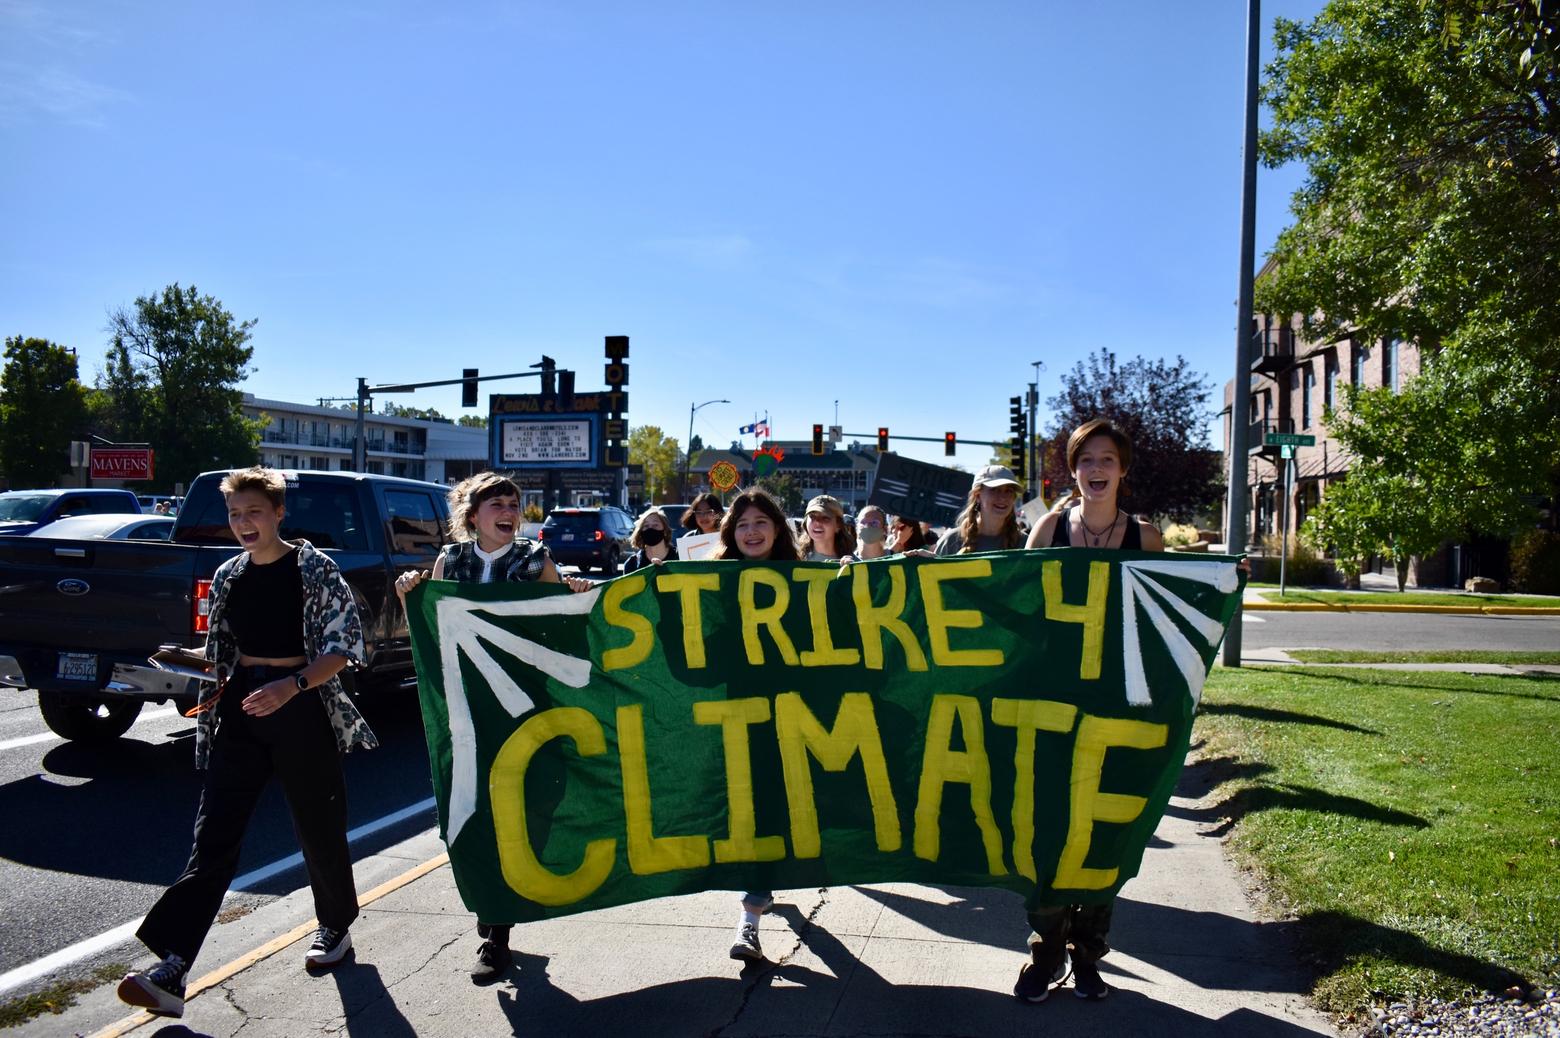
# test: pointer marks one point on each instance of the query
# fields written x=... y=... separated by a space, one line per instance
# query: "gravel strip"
x=1488 y=1015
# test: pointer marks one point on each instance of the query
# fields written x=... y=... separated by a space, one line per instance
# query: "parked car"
x=109 y=528
x=587 y=537
x=23 y=511
x=80 y=617
x=674 y=514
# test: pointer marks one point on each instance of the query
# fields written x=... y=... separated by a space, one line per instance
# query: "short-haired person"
x=704 y=515
x=652 y=541
x=755 y=529
x=484 y=520
x=282 y=626
x=989 y=521
x=826 y=537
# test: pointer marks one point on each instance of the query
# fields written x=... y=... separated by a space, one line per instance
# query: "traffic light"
x=817 y=443
x=1045 y=488
x=1016 y=410
x=565 y=390
x=468 y=387
x=549 y=375
x=882 y=438
x=950 y=444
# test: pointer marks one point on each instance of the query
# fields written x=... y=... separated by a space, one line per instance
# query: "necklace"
x=1102 y=534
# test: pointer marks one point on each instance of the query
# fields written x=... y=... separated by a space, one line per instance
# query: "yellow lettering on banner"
x=742 y=841
x=523 y=870
x=647 y=852
x=855 y=731
x=942 y=764
x=940 y=619
x=769 y=616
x=638 y=648
x=1028 y=716
x=687 y=587
x=874 y=620
x=1091 y=614
x=1089 y=805
x=823 y=653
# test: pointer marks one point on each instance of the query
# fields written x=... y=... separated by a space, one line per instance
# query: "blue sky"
x=896 y=206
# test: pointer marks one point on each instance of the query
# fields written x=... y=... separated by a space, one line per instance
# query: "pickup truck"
x=78 y=619
x=23 y=511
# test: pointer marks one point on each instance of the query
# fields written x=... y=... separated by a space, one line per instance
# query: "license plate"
x=568 y=537
x=77 y=666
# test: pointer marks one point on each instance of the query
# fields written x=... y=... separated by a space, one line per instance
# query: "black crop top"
x=265 y=608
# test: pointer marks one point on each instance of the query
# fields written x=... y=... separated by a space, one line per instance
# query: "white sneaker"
x=746 y=945
x=328 y=948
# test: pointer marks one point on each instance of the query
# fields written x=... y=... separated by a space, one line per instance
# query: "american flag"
x=759 y=429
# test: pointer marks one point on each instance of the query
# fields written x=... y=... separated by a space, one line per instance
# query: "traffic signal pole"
x=365 y=392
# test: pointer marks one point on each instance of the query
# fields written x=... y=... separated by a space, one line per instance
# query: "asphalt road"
x=1264 y=630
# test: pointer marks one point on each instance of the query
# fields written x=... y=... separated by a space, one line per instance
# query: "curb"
x=1263 y=606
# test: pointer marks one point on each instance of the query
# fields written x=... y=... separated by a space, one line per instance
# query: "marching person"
x=652 y=537
x=484 y=517
x=871 y=535
x=989 y=521
x=826 y=537
x=755 y=528
x=704 y=515
x=283 y=625
x=905 y=535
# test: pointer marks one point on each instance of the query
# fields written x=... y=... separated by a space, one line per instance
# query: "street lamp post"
x=1035 y=482
x=693 y=409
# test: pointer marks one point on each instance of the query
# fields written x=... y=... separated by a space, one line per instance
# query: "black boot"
x=493 y=955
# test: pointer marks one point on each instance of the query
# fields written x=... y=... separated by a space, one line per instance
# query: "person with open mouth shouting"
x=484 y=520
x=283 y=625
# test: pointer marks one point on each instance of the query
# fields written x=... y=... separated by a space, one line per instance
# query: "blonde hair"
x=969 y=525
x=267 y=481
x=844 y=536
x=639 y=526
x=467 y=496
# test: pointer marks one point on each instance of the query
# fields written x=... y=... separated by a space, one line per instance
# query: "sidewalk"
x=897 y=959
x=1282 y=658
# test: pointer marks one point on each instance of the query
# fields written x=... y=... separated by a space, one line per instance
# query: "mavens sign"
x=122 y=463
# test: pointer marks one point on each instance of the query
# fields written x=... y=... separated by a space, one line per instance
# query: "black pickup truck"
x=78 y=619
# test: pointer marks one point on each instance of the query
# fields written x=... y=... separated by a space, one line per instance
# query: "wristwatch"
x=301 y=681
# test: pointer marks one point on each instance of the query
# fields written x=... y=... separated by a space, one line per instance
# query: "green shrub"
x=1180 y=534
x=1535 y=562
x=533 y=513
x=1305 y=565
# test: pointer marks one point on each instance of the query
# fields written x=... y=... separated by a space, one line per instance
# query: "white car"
x=109 y=528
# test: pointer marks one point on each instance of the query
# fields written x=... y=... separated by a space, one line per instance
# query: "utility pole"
x=1240 y=400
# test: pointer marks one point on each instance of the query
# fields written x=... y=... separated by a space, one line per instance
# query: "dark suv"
x=587 y=537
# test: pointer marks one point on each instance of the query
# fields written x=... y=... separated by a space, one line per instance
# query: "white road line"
x=120 y=934
x=28 y=740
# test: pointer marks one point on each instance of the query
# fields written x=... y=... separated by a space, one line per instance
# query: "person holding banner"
x=282 y=624
x=653 y=537
x=989 y=521
x=755 y=528
x=825 y=537
x=484 y=516
x=872 y=532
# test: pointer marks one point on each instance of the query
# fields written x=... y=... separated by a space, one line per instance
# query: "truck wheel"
x=609 y=565
x=88 y=721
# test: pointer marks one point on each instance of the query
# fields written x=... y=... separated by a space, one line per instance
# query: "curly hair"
x=637 y=537
x=784 y=548
x=257 y=477
x=467 y=496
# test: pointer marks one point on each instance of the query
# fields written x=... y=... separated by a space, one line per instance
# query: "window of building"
x=1307 y=391
x=1389 y=364
x=1357 y=370
x=1330 y=382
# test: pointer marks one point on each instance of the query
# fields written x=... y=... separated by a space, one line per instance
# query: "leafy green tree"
x=1430 y=135
x=784 y=487
x=394 y=410
x=174 y=364
x=42 y=408
x=1163 y=407
x=659 y=454
x=472 y=421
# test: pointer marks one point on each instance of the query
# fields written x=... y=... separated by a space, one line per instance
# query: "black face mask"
x=650 y=537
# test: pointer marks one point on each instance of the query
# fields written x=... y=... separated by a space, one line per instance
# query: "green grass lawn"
x=1408 y=822
x=1446 y=598
x=1508 y=656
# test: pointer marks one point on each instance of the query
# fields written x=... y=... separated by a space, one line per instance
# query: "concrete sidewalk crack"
x=232 y=999
x=751 y=985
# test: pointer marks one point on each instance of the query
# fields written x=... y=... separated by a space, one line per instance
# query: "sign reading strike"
x=1016 y=719
x=122 y=463
x=530 y=442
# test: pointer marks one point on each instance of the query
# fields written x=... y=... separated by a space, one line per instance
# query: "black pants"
x=297 y=744
x=1081 y=928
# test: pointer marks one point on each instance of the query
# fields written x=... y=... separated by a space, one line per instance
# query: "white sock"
x=749 y=917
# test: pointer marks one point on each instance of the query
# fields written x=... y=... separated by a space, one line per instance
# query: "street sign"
x=1286 y=451
x=1275 y=439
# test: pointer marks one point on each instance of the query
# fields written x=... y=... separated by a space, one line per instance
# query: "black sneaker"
x=328 y=948
x=1041 y=971
x=493 y=959
x=1087 y=982
x=158 y=990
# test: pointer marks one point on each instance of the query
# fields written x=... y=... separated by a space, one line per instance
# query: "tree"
x=172 y=374
x=1163 y=407
x=472 y=421
x=42 y=408
x=1430 y=135
x=659 y=454
x=426 y=414
x=785 y=490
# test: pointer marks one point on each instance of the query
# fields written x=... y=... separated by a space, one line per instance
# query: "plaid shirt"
x=330 y=625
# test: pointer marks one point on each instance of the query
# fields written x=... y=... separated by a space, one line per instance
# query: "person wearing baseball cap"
x=825 y=537
x=989 y=521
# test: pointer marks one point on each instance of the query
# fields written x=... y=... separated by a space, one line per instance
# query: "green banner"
x=1015 y=719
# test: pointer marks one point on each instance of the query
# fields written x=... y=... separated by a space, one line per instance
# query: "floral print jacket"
x=330 y=625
